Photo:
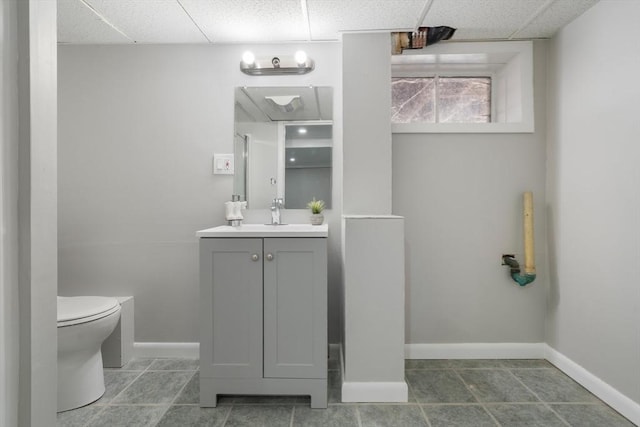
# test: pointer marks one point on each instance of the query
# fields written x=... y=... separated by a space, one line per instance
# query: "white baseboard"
x=375 y=392
x=595 y=385
x=186 y=350
x=475 y=351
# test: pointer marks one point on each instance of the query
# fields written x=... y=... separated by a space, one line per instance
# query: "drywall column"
x=366 y=95
x=372 y=240
x=9 y=330
x=37 y=211
x=374 y=309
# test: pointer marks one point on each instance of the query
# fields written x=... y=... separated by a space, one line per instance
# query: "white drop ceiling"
x=272 y=21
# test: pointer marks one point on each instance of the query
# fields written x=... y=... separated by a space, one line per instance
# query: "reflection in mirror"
x=269 y=131
x=308 y=164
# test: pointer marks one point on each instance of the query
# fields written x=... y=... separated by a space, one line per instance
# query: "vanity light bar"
x=276 y=65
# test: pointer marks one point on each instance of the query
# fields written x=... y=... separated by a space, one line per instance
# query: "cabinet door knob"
x=269 y=257
x=255 y=257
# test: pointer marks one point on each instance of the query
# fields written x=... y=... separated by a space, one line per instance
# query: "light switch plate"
x=223 y=164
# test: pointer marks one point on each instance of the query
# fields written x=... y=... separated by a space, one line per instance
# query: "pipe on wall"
x=529 y=257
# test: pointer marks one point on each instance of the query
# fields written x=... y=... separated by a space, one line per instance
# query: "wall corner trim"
x=475 y=351
x=375 y=392
x=595 y=385
x=187 y=350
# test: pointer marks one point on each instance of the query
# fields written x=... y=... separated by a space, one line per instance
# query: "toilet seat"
x=77 y=310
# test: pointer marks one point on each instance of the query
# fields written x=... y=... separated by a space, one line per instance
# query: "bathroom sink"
x=266 y=230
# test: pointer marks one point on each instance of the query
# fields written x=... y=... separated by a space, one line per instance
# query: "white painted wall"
x=138 y=128
x=461 y=196
x=593 y=211
x=9 y=327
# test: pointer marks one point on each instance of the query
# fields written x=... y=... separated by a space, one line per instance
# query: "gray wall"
x=461 y=196
x=138 y=129
x=594 y=194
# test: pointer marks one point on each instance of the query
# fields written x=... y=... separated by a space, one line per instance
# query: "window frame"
x=509 y=62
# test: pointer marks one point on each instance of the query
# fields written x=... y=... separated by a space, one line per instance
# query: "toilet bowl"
x=83 y=324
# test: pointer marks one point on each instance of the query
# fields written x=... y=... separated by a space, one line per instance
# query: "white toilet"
x=83 y=324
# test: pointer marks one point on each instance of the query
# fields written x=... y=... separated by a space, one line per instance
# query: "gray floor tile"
x=391 y=415
x=475 y=363
x=192 y=416
x=594 y=415
x=334 y=352
x=333 y=364
x=254 y=416
x=174 y=365
x=114 y=383
x=526 y=363
x=333 y=416
x=77 y=417
x=458 y=415
x=153 y=387
x=129 y=416
x=334 y=392
x=551 y=385
x=438 y=386
x=426 y=364
x=525 y=415
x=496 y=385
x=190 y=394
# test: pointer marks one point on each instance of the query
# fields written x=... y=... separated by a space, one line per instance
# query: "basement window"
x=477 y=87
x=441 y=99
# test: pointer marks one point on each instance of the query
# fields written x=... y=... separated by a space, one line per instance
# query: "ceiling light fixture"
x=300 y=63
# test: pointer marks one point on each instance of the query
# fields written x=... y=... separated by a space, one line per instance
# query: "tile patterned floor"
x=473 y=393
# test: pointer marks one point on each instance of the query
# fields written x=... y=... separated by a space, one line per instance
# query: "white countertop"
x=266 y=230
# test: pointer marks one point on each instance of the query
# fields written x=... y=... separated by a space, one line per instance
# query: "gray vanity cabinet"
x=263 y=317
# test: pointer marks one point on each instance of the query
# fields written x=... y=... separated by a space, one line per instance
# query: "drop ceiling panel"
x=150 y=21
x=559 y=14
x=78 y=24
x=329 y=17
x=225 y=21
x=243 y=21
x=482 y=19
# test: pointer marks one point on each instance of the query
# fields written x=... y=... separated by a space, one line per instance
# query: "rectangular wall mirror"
x=283 y=145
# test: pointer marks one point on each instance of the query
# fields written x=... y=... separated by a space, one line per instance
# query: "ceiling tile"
x=482 y=19
x=150 y=21
x=556 y=16
x=249 y=20
x=329 y=17
x=78 y=24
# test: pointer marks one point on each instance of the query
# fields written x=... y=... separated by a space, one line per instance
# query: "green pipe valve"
x=520 y=279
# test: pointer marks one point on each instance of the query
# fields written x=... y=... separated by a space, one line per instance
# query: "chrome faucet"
x=276 y=205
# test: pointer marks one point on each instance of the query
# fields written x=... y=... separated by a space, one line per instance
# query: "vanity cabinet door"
x=231 y=308
x=295 y=308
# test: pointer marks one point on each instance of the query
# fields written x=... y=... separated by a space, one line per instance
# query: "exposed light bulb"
x=248 y=58
x=302 y=130
x=292 y=159
x=301 y=57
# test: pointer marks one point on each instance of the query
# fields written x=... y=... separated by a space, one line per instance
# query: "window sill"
x=462 y=128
